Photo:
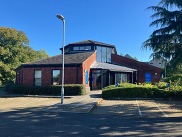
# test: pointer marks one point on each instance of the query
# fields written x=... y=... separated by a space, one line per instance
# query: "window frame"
x=37 y=78
x=55 y=78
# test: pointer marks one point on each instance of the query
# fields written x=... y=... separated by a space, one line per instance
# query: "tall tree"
x=15 y=50
x=166 y=40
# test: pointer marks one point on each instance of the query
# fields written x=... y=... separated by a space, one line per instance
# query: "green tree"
x=15 y=50
x=166 y=40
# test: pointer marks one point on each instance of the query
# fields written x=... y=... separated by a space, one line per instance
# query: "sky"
x=123 y=23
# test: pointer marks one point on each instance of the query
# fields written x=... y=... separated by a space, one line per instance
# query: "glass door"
x=96 y=79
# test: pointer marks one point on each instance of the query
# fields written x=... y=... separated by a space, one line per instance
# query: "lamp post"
x=61 y=17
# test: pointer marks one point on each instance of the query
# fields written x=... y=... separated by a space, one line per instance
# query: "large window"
x=55 y=77
x=38 y=78
x=76 y=48
x=104 y=54
x=121 y=78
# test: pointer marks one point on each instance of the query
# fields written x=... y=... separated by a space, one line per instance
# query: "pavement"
x=76 y=104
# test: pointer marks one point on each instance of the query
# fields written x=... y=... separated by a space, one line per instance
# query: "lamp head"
x=59 y=16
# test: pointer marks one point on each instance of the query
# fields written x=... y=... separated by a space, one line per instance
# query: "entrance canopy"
x=111 y=67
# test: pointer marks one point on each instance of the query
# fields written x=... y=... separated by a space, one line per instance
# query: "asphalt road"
x=47 y=123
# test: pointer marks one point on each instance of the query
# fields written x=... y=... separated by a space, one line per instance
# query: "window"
x=76 y=48
x=37 y=77
x=99 y=52
x=109 y=51
x=55 y=77
x=82 y=48
x=87 y=47
x=104 y=54
x=121 y=78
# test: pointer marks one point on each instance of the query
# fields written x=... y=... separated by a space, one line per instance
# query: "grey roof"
x=91 y=42
x=128 y=56
x=75 y=58
x=111 y=67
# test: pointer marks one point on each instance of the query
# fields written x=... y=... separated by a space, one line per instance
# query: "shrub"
x=110 y=87
x=175 y=80
x=125 y=85
x=132 y=92
x=161 y=85
x=175 y=92
x=69 y=90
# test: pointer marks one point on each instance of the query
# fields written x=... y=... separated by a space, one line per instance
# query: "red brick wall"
x=27 y=75
x=141 y=68
x=86 y=66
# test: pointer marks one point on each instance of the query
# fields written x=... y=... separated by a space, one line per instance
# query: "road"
x=35 y=117
x=33 y=123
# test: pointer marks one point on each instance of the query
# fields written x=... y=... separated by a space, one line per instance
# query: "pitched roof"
x=128 y=56
x=133 y=63
x=77 y=58
x=111 y=67
x=91 y=42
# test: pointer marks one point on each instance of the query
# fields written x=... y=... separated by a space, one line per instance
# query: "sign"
x=148 y=77
x=86 y=77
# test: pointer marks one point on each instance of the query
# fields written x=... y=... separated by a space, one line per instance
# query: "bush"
x=1 y=88
x=161 y=85
x=175 y=80
x=132 y=92
x=175 y=92
x=125 y=85
x=110 y=87
x=69 y=90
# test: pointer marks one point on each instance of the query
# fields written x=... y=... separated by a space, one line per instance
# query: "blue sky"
x=123 y=23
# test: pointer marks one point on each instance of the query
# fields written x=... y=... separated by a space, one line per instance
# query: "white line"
x=140 y=112
x=161 y=110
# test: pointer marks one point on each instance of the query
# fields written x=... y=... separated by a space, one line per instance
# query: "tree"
x=166 y=40
x=15 y=50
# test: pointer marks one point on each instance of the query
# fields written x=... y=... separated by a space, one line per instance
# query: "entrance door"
x=96 y=79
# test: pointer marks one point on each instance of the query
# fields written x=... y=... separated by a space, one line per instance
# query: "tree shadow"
x=47 y=121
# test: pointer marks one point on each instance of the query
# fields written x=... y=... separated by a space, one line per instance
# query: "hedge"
x=141 y=92
x=69 y=90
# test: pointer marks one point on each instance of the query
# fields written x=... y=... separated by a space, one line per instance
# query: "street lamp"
x=63 y=39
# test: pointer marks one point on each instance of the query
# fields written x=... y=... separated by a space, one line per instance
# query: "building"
x=158 y=62
x=94 y=64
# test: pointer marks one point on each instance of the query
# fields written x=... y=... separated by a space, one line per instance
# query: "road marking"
x=140 y=112
x=161 y=110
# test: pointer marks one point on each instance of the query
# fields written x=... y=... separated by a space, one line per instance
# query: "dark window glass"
x=109 y=51
x=121 y=78
x=99 y=51
x=88 y=48
x=96 y=79
x=82 y=48
x=76 y=48
x=55 y=77
x=104 y=54
x=38 y=78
